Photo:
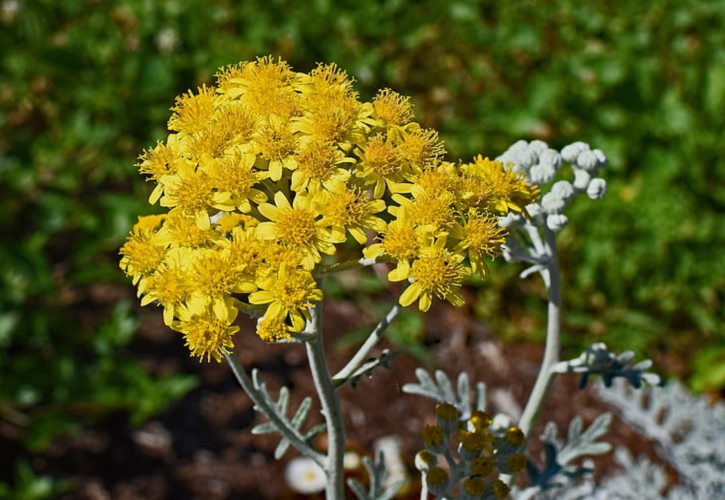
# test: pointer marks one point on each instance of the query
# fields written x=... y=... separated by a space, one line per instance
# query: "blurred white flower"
x=304 y=476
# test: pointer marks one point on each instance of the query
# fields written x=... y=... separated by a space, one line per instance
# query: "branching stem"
x=362 y=353
x=293 y=435
x=553 y=336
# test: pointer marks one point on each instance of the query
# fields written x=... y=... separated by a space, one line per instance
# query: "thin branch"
x=362 y=353
x=293 y=435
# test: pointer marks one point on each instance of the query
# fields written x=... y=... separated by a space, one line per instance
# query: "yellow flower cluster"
x=266 y=174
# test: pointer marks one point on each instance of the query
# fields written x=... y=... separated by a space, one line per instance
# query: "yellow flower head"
x=289 y=293
x=437 y=272
x=206 y=335
x=392 y=108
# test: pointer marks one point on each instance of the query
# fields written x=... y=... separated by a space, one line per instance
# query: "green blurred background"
x=86 y=85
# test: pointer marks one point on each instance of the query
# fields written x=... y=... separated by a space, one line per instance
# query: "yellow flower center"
x=140 y=255
x=297 y=228
x=276 y=141
x=317 y=159
x=348 y=208
x=401 y=242
x=169 y=286
x=474 y=486
x=392 y=107
x=208 y=337
x=482 y=466
x=295 y=290
x=382 y=157
x=437 y=272
x=210 y=274
x=272 y=331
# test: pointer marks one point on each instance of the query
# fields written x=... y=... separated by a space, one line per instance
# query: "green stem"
x=260 y=402
x=553 y=340
x=330 y=407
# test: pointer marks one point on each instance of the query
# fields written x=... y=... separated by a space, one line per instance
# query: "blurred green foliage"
x=86 y=85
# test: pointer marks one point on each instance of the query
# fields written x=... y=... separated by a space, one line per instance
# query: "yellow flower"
x=289 y=293
x=319 y=163
x=265 y=86
x=432 y=212
x=161 y=160
x=206 y=335
x=331 y=105
x=347 y=209
x=419 y=147
x=169 y=284
x=381 y=164
x=479 y=236
x=504 y=190
x=213 y=278
x=144 y=250
x=192 y=193
x=392 y=108
x=234 y=175
x=192 y=111
x=402 y=242
x=180 y=230
x=297 y=227
x=276 y=142
x=273 y=330
x=232 y=125
x=436 y=272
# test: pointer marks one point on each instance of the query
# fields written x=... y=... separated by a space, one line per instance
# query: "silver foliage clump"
x=560 y=473
x=597 y=359
x=689 y=433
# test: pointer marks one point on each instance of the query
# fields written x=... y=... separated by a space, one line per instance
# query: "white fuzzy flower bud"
x=519 y=145
x=597 y=188
x=581 y=179
x=537 y=147
x=556 y=222
x=524 y=158
x=541 y=173
x=563 y=189
x=550 y=157
x=587 y=160
x=533 y=209
x=601 y=157
x=552 y=203
x=571 y=151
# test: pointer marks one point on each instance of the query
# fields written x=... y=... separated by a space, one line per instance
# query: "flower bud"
x=447 y=417
x=424 y=460
x=597 y=188
x=433 y=438
x=571 y=151
x=437 y=481
x=552 y=203
x=563 y=189
x=601 y=157
x=557 y=222
x=581 y=179
x=533 y=209
x=587 y=160
x=550 y=157
x=537 y=147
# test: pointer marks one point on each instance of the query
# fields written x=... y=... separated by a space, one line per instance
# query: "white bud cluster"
x=540 y=164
